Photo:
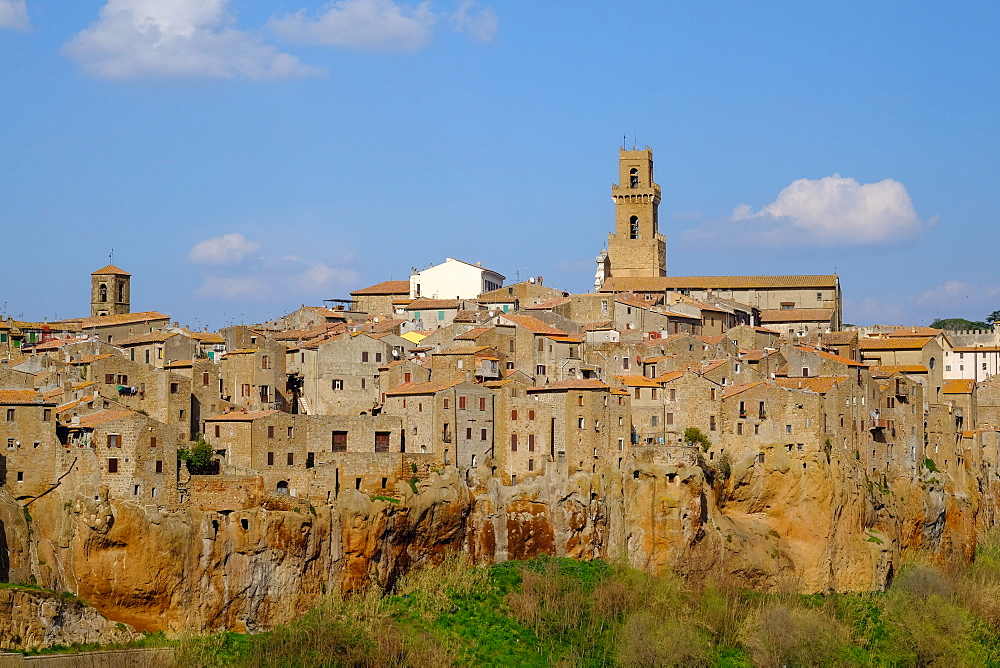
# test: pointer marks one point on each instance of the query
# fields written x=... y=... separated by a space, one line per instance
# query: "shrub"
x=695 y=436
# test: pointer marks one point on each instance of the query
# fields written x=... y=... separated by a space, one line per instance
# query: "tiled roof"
x=121 y=319
x=977 y=349
x=832 y=356
x=207 y=337
x=817 y=384
x=239 y=416
x=638 y=381
x=385 y=288
x=473 y=334
x=110 y=270
x=914 y=331
x=179 y=364
x=896 y=343
x=581 y=384
x=10 y=397
x=94 y=419
x=158 y=336
x=564 y=338
x=959 y=386
x=733 y=390
x=886 y=370
x=533 y=324
x=797 y=315
x=422 y=388
x=661 y=283
x=711 y=340
x=839 y=338
x=87 y=359
x=464 y=350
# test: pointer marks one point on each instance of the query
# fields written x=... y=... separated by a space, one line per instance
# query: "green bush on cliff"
x=198 y=457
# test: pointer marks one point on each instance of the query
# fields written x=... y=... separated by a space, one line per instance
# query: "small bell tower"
x=110 y=291
x=636 y=247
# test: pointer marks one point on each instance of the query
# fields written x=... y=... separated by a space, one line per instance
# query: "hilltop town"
x=703 y=385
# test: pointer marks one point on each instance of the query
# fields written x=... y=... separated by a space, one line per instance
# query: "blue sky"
x=243 y=158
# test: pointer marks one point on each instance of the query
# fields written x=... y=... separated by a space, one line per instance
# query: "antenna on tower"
x=111 y=256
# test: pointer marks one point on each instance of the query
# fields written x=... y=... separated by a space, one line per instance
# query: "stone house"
x=114 y=328
x=254 y=378
x=378 y=299
x=524 y=431
x=160 y=347
x=27 y=442
x=922 y=352
x=450 y=419
x=341 y=376
x=590 y=424
x=472 y=363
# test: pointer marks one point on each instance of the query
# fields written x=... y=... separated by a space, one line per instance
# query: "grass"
x=558 y=612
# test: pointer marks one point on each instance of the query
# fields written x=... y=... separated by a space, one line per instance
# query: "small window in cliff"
x=245 y=524
x=635 y=475
x=20 y=476
x=357 y=483
x=531 y=464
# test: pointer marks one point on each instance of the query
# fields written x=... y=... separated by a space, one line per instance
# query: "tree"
x=993 y=317
x=695 y=436
x=957 y=324
x=198 y=457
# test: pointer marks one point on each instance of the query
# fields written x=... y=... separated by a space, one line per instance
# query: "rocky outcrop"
x=250 y=560
x=30 y=619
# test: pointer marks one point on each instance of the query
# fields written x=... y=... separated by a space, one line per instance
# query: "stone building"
x=380 y=299
x=27 y=442
x=636 y=247
x=110 y=291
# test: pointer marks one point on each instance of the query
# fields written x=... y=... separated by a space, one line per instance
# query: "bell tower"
x=110 y=291
x=636 y=247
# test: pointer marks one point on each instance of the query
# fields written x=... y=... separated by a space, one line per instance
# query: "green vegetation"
x=198 y=457
x=381 y=497
x=958 y=324
x=695 y=436
x=554 y=611
x=413 y=483
x=930 y=465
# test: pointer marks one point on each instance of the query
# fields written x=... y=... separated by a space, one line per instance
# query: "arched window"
x=121 y=292
x=282 y=487
x=932 y=363
x=633 y=178
x=104 y=292
x=633 y=227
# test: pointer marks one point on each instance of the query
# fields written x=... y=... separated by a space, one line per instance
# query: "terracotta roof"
x=818 y=384
x=711 y=340
x=959 y=386
x=207 y=337
x=584 y=384
x=915 y=331
x=239 y=416
x=533 y=324
x=94 y=419
x=896 y=343
x=87 y=359
x=385 y=288
x=73 y=404
x=463 y=351
x=242 y=351
x=548 y=304
x=839 y=338
x=178 y=364
x=121 y=319
x=158 y=336
x=832 y=356
x=661 y=283
x=564 y=338
x=638 y=381
x=733 y=390
x=886 y=370
x=473 y=334
x=10 y=397
x=658 y=358
x=422 y=388
x=797 y=315
x=977 y=349
x=432 y=304
x=55 y=344
x=110 y=270
x=765 y=330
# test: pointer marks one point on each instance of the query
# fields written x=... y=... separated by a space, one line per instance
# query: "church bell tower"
x=636 y=247
x=109 y=291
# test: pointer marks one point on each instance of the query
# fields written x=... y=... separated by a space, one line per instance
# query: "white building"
x=972 y=363
x=454 y=279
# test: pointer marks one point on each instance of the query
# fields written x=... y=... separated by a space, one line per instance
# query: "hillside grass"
x=560 y=612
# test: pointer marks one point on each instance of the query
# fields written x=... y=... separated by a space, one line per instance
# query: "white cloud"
x=136 y=39
x=481 y=24
x=227 y=249
x=241 y=288
x=378 y=25
x=284 y=279
x=831 y=211
x=14 y=15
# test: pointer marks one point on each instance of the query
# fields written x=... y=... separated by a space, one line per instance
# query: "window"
x=625 y=363
x=788 y=429
x=270 y=431
x=152 y=441
x=482 y=434
x=579 y=423
x=652 y=393
x=407 y=377
x=159 y=466
x=378 y=357
x=739 y=428
x=339 y=441
x=669 y=420
x=531 y=464
x=513 y=442
x=654 y=421
x=270 y=459
x=114 y=441
x=482 y=403
x=245 y=390
x=711 y=394
x=446 y=404
x=531 y=415
x=103 y=292
x=604 y=306
x=633 y=227
x=673 y=395
x=540 y=370
x=291 y=458
x=468 y=433
x=10 y=414
x=711 y=423
x=364 y=356
x=265 y=362
x=440 y=315
x=217 y=430
x=112 y=465
x=633 y=178
x=513 y=414
x=381 y=441
x=637 y=393
x=531 y=442
x=338 y=384
x=204 y=379
x=461 y=403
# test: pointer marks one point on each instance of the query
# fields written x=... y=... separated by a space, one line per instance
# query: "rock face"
x=250 y=560
x=32 y=619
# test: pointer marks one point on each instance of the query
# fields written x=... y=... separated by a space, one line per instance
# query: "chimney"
x=538 y=280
